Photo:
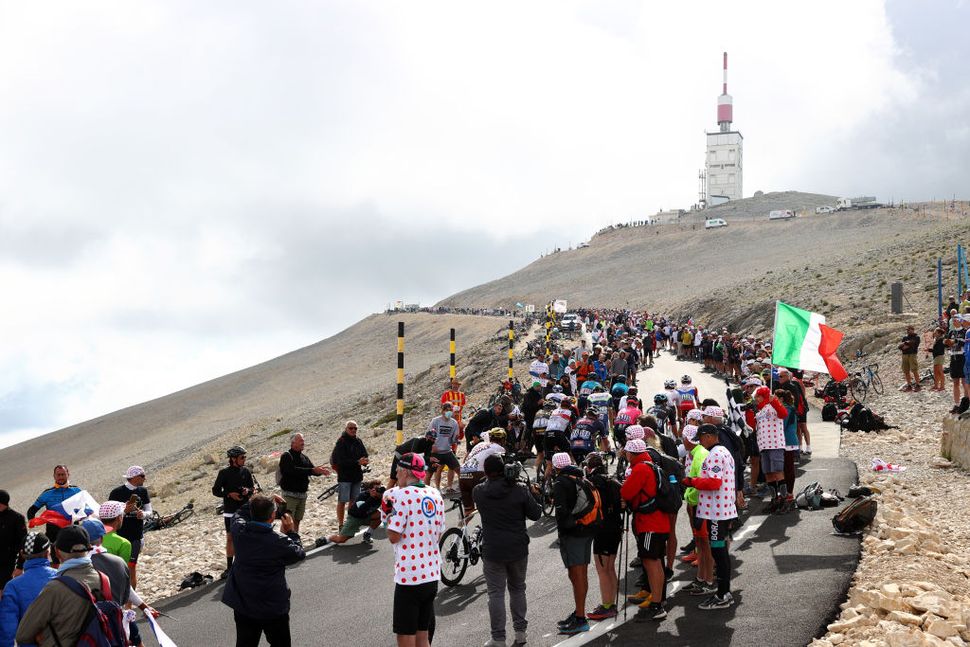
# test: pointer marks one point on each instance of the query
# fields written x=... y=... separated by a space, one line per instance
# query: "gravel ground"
x=912 y=586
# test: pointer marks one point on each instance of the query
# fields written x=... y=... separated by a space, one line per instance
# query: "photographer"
x=235 y=485
x=256 y=589
x=504 y=505
x=365 y=511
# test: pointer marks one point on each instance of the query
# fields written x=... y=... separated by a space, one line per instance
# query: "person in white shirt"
x=539 y=370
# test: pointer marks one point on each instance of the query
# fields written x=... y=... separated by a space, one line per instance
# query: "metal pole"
x=939 y=290
x=451 y=349
x=960 y=271
x=400 y=382
x=511 y=342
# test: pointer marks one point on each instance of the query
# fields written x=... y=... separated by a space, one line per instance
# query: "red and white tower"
x=723 y=162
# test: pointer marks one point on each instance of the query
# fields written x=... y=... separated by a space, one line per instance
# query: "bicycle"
x=155 y=521
x=459 y=547
x=330 y=491
x=864 y=379
x=545 y=498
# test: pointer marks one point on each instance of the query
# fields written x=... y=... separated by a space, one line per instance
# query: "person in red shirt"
x=652 y=528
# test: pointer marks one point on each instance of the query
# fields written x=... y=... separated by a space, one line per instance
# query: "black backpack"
x=856 y=516
x=863 y=419
x=103 y=625
x=829 y=412
x=609 y=489
x=669 y=497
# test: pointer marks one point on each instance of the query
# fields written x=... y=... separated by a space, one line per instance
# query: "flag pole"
x=771 y=357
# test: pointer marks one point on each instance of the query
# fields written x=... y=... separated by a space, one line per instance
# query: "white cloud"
x=188 y=188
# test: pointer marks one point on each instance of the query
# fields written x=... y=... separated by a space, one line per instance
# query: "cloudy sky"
x=190 y=188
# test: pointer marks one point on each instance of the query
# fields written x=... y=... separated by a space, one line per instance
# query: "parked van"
x=784 y=214
x=714 y=223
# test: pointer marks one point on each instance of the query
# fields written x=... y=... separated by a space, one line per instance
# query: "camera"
x=512 y=472
x=281 y=509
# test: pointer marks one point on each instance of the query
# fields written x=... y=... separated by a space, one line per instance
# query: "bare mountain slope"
x=327 y=375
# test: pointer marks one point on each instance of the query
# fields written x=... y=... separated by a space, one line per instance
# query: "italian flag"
x=802 y=340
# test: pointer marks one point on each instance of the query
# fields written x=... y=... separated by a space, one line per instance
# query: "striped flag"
x=802 y=340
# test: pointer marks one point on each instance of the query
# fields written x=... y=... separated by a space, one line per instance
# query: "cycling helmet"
x=515 y=413
x=593 y=412
x=236 y=451
x=621 y=378
x=497 y=435
x=670 y=384
x=550 y=405
x=685 y=379
x=660 y=398
x=557 y=389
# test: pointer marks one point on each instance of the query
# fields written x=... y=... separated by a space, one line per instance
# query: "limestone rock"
x=904 y=618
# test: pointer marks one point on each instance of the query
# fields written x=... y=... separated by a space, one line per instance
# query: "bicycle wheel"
x=876 y=384
x=329 y=492
x=454 y=549
x=858 y=389
x=621 y=468
x=548 y=504
x=179 y=517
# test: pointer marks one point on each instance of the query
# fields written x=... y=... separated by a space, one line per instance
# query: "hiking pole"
x=626 y=558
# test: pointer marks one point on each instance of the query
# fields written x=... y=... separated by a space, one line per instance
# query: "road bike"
x=459 y=547
x=545 y=498
x=863 y=380
x=155 y=521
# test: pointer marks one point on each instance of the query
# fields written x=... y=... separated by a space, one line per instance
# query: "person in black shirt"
x=13 y=530
x=420 y=445
x=531 y=403
x=485 y=419
x=294 y=478
x=909 y=347
x=939 y=357
x=349 y=457
x=235 y=485
x=134 y=495
x=364 y=511
x=954 y=341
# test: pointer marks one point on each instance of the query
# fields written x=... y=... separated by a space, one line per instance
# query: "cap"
x=694 y=414
x=714 y=412
x=561 y=460
x=413 y=463
x=94 y=528
x=635 y=446
x=753 y=381
x=634 y=432
x=133 y=471
x=689 y=433
x=707 y=430
x=111 y=510
x=536 y=383
x=35 y=543
x=762 y=392
x=73 y=539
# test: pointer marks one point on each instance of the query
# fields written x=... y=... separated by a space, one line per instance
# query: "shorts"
x=136 y=545
x=449 y=459
x=539 y=440
x=554 y=444
x=607 y=542
x=698 y=526
x=296 y=506
x=413 y=607
x=651 y=545
x=351 y=525
x=751 y=445
x=575 y=551
x=772 y=460
x=718 y=531
x=466 y=483
x=346 y=492
x=956 y=367
x=910 y=363
x=619 y=435
x=938 y=360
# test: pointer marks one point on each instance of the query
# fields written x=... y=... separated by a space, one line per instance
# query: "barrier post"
x=511 y=342
x=451 y=359
x=939 y=290
x=400 y=382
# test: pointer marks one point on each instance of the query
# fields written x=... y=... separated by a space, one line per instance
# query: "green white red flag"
x=802 y=340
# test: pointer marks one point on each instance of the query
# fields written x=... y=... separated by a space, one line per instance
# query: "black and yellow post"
x=511 y=342
x=400 y=382
x=451 y=359
x=548 y=327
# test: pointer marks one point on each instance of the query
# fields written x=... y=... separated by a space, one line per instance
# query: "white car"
x=714 y=223
x=824 y=209
x=571 y=322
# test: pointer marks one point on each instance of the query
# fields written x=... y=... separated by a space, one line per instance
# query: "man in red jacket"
x=650 y=528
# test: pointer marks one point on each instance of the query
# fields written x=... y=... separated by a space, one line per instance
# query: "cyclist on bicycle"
x=473 y=469
x=665 y=414
x=583 y=438
x=539 y=431
x=556 y=395
x=688 y=396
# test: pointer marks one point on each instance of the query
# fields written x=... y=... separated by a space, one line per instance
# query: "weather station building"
x=721 y=180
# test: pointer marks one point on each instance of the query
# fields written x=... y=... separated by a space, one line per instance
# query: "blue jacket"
x=19 y=593
x=256 y=586
x=50 y=496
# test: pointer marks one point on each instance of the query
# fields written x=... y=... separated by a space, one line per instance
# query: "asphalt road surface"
x=790 y=576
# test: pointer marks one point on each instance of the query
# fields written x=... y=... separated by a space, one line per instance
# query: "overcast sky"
x=190 y=188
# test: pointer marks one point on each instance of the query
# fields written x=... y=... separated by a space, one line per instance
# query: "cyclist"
x=666 y=416
x=584 y=436
x=687 y=396
x=235 y=485
x=673 y=397
x=539 y=431
x=418 y=445
x=516 y=431
x=624 y=418
x=618 y=390
x=473 y=469
x=557 y=434
x=556 y=395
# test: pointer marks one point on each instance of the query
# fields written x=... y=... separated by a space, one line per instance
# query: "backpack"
x=102 y=626
x=588 y=510
x=856 y=516
x=863 y=419
x=669 y=497
x=609 y=490
x=829 y=412
x=810 y=498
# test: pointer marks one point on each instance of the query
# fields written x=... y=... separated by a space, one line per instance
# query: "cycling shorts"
x=554 y=443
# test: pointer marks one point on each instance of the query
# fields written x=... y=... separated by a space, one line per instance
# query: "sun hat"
x=714 y=412
x=634 y=432
x=690 y=433
x=635 y=446
x=561 y=460
x=111 y=510
x=694 y=414
x=133 y=471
